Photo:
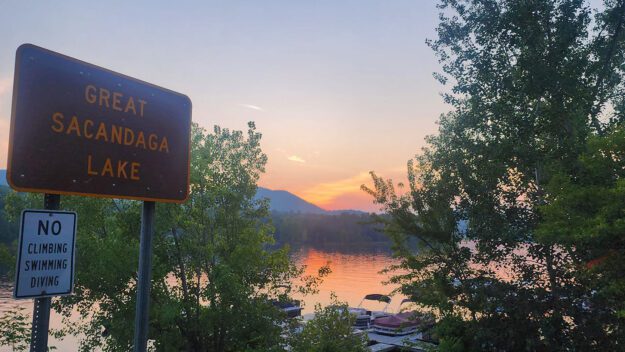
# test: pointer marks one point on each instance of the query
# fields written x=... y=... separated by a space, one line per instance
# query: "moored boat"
x=402 y=323
x=398 y=324
x=364 y=316
x=292 y=309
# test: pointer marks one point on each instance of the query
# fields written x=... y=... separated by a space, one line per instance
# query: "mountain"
x=286 y=202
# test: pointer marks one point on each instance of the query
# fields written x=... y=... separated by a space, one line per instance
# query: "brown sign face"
x=80 y=129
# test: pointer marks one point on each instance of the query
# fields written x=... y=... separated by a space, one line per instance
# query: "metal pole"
x=41 y=309
x=144 y=279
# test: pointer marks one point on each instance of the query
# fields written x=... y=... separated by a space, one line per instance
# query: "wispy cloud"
x=325 y=193
x=253 y=107
x=296 y=158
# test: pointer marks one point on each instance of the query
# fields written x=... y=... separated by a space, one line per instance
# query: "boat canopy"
x=378 y=297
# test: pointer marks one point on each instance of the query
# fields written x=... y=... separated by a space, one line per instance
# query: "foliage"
x=15 y=329
x=212 y=278
x=329 y=331
x=8 y=237
x=586 y=212
x=7 y=234
x=7 y=260
x=536 y=85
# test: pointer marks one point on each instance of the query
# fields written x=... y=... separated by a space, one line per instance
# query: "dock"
x=384 y=343
x=381 y=347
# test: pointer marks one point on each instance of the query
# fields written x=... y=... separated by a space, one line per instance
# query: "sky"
x=337 y=88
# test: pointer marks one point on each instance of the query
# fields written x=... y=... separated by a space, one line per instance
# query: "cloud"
x=326 y=193
x=253 y=107
x=296 y=158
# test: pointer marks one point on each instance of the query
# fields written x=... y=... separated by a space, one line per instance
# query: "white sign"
x=45 y=261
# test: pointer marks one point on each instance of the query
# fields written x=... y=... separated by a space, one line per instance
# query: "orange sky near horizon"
x=337 y=89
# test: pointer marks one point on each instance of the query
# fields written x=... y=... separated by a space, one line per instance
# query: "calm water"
x=355 y=273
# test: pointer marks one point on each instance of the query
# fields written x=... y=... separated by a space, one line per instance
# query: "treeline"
x=6 y=228
x=325 y=230
x=8 y=236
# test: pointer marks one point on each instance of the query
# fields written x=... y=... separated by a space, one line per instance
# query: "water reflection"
x=8 y=303
x=355 y=273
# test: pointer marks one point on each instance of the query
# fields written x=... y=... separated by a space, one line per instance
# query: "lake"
x=355 y=273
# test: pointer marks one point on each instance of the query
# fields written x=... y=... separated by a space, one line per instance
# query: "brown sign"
x=80 y=129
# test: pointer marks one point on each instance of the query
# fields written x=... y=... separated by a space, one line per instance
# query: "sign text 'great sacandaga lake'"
x=81 y=129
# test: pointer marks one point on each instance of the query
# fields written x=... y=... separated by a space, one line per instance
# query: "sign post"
x=45 y=262
x=41 y=309
x=145 y=275
x=80 y=129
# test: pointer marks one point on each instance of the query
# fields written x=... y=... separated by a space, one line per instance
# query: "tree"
x=7 y=237
x=212 y=278
x=532 y=83
x=585 y=212
x=330 y=330
x=15 y=331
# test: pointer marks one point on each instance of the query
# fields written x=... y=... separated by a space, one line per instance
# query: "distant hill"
x=286 y=202
x=3 y=178
x=346 y=211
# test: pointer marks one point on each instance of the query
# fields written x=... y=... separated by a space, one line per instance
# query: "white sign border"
x=19 y=253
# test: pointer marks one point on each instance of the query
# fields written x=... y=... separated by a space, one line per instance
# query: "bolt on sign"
x=45 y=260
x=80 y=129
